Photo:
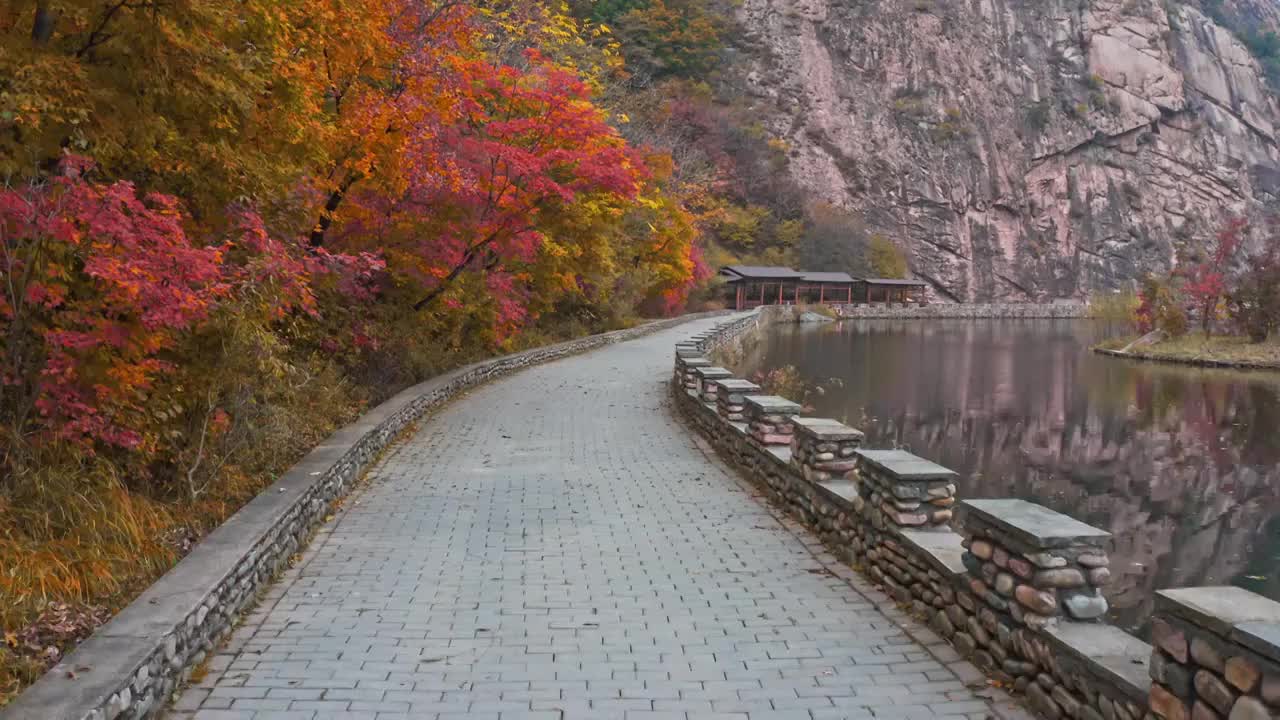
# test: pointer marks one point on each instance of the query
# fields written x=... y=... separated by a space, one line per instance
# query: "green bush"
x=1119 y=308
x=1038 y=115
x=1254 y=305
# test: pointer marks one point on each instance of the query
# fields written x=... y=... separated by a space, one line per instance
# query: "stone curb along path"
x=554 y=545
x=131 y=665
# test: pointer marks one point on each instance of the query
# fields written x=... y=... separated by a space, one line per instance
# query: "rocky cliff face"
x=1020 y=149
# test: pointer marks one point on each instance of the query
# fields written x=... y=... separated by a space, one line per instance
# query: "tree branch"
x=99 y=34
x=467 y=258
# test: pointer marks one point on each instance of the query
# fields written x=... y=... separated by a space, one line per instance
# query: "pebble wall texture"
x=1217 y=653
x=1018 y=589
x=966 y=311
x=130 y=666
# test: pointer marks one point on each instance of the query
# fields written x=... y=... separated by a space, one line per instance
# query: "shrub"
x=910 y=107
x=1161 y=307
x=952 y=126
x=1254 y=304
x=1038 y=115
x=1116 y=308
x=885 y=258
x=784 y=381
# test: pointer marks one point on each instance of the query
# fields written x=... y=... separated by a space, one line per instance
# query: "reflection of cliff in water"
x=1180 y=464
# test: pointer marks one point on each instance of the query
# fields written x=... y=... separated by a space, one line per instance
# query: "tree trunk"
x=330 y=207
x=42 y=27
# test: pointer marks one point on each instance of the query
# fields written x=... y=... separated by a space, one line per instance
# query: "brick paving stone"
x=556 y=544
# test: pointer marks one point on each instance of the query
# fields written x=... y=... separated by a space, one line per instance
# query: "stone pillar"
x=685 y=367
x=1215 y=655
x=707 y=376
x=731 y=396
x=822 y=449
x=904 y=490
x=1033 y=565
x=688 y=348
x=771 y=419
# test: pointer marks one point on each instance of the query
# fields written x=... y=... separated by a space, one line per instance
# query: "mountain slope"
x=1020 y=149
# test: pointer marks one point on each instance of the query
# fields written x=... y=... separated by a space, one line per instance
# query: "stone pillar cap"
x=712 y=373
x=695 y=362
x=737 y=385
x=902 y=465
x=1035 y=525
x=1221 y=610
x=827 y=429
x=772 y=404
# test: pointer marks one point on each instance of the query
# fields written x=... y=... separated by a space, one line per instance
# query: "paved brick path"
x=555 y=545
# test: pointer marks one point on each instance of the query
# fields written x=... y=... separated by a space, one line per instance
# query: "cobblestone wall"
x=966 y=311
x=1216 y=655
x=1018 y=590
x=131 y=665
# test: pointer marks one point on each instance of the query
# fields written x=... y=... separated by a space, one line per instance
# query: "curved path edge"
x=129 y=667
x=1193 y=362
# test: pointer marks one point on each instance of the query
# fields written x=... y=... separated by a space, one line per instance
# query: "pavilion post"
x=822 y=294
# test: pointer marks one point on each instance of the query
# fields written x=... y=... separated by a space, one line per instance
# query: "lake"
x=1179 y=463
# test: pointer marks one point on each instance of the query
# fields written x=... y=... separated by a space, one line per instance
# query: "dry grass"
x=73 y=534
x=73 y=548
x=1194 y=347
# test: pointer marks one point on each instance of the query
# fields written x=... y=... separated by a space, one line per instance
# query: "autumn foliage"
x=1229 y=282
x=229 y=226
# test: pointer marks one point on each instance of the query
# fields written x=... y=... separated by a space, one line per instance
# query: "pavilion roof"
x=893 y=281
x=828 y=277
x=760 y=272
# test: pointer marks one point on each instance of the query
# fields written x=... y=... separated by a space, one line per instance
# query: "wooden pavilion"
x=890 y=290
x=753 y=285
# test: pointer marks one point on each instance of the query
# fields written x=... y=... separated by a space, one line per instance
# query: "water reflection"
x=1180 y=464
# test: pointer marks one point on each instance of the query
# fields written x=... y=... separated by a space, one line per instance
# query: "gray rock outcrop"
x=1020 y=149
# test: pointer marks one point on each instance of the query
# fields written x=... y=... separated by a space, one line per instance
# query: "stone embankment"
x=966 y=311
x=1016 y=588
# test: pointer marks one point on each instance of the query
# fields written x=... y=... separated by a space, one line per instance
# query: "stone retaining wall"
x=129 y=668
x=1216 y=655
x=1017 y=589
x=966 y=311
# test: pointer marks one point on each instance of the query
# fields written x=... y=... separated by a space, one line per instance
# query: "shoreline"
x=1190 y=361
